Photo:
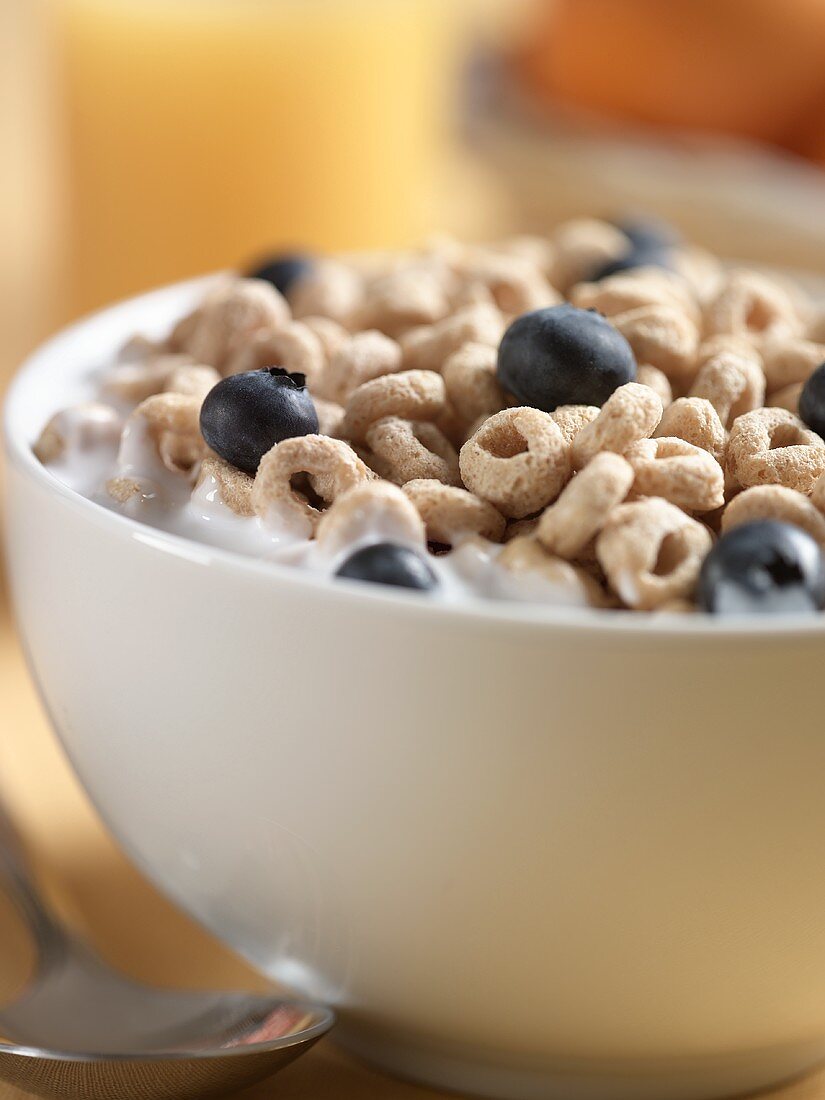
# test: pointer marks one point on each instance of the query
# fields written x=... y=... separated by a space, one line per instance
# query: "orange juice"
x=201 y=132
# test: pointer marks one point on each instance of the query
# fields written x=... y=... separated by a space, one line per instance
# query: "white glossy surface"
x=526 y=853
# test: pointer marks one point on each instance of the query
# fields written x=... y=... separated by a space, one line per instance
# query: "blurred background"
x=143 y=141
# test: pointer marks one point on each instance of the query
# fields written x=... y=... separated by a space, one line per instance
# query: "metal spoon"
x=80 y=1031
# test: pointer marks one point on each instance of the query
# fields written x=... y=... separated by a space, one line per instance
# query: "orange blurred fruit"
x=750 y=67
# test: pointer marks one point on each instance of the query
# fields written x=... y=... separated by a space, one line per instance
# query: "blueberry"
x=764 y=567
x=812 y=401
x=636 y=257
x=247 y=414
x=563 y=356
x=283 y=270
x=647 y=233
x=388 y=563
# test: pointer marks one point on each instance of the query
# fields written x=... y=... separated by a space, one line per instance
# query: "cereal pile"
x=605 y=418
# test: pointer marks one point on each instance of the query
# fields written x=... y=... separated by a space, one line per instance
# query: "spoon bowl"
x=74 y=1029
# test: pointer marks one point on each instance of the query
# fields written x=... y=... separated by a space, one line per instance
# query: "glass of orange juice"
x=201 y=132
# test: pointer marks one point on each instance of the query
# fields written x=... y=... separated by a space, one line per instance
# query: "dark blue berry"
x=388 y=563
x=764 y=567
x=563 y=356
x=636 y=257
x=247 y=414
x=812 y=401
x=647 y=233
x=282 y=271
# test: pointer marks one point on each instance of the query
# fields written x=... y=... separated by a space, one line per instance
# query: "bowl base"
x=711 y=1078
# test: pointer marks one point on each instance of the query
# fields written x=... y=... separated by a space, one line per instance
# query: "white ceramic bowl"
x=525 y=852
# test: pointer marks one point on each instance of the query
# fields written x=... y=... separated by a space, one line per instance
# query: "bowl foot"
x=709 y=1078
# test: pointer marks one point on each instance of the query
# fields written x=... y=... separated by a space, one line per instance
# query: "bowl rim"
x=543 y=617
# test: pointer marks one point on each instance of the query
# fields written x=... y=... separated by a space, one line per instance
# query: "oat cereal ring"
x=518 y=527
x=331 y=289
x=632 y=412
x=786 y=398
x=82 y=427
x=677 y=471
x=750 y=304
x=581 y=247
x=730 y=343
x=410 y=450
x=567 y=526
x=472 y=386
x=516 y=285
x=330 y=334
x=449 y=512
x=733 y=385
x=331 y=468
x=227 y=319
x=657 y=380
x=411 y=395
x=572 y=418
x=818 y=494
x=773 y=447
x=180 y=453
x=404 y=299
x=134 y=382
x=629 y=290
x=374 y=509
x=171 y=412
x=517 y=460
x=232 y=486
x=538 y=250
x=428 y=347
x=330 y=416
x=362 y=357
x=663 y=336
x=775 y=502
x=695 y=420
x=294 y=346
x=192 y=380
x=651 y=552
x=537 y=572
x=790 y=360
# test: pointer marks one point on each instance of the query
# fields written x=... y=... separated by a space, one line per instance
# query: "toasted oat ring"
x=411 y=395
x=517 y=460
x=408 y=450
x=429 y=346
x=651 y=552
x=472 y=387
x=749 y=304
x=294 y=346
x=786 y=398
x=372 y=509
x=775 y=502
x=331 y=466
x=567 y=526
x=677 y=471
x=449 y=512
x=228 y=317
x=362 y=357
x=732 y=383
x=233 y=486
x=657 y=380
x=773 y=447
x=790 y=360
x=192 y=380
x=641 y=286
x=663 y=336
x=572 y=418
x=696 y=421
x=171 y=412
x=632 y=412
